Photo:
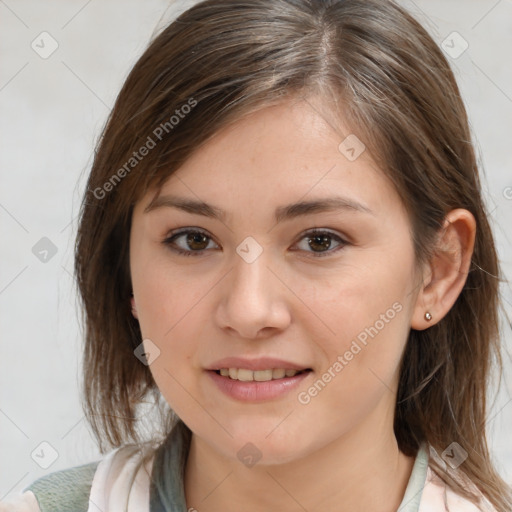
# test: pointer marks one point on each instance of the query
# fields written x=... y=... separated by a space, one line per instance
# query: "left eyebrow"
x=281 y=213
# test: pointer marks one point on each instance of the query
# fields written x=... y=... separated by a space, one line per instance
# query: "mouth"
x=246 y=385
x=257 y=379
x=246 y=375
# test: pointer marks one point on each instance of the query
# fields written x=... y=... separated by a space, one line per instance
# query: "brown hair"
x=227 y=58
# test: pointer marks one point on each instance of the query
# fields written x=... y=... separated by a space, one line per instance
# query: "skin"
x=327 y=454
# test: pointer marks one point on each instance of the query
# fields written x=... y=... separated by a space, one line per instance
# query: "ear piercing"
x=428 y=316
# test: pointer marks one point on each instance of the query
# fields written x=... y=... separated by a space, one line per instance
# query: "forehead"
x=280 y=154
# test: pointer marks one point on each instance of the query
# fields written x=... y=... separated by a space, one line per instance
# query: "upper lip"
x=260 y=363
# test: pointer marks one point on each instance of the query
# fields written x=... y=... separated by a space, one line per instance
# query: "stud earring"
x=428 y=316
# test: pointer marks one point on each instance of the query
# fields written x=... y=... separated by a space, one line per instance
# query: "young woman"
x=283 y=242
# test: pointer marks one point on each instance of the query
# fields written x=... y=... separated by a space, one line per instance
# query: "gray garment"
x=66 y=490
x=167 y=493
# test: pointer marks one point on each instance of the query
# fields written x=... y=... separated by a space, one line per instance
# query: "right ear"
x=134 y=308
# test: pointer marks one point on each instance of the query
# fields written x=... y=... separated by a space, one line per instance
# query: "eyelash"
x=168 y=241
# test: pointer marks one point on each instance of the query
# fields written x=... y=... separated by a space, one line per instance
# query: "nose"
x=253 y=300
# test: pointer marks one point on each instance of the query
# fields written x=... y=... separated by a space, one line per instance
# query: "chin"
x=263 y=453
x=254 y=445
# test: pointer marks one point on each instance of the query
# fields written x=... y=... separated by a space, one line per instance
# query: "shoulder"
x=67 y=489
x=25 y=502
x=121 y=476
x=437 y=495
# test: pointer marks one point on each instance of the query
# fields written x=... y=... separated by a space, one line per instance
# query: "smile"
x=246 y=385
x=245 y=375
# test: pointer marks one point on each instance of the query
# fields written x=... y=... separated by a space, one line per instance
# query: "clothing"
x=123 y=481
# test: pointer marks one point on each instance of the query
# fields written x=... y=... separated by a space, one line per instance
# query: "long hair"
x=223 y=59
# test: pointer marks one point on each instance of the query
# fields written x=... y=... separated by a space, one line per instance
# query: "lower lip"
x=254 y=391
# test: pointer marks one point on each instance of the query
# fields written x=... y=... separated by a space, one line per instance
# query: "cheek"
x=170 y=310
x=361 y=369
x=363 y=302
x=367 y=312
x=171 y=316
x=166 y=296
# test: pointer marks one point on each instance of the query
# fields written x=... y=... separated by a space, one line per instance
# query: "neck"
x=339 y=476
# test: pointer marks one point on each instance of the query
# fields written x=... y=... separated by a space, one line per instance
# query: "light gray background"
x=52 y=111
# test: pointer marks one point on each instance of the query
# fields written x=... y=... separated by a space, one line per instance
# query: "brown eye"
x=320 y=242
x=196 y=241
x=192 y=242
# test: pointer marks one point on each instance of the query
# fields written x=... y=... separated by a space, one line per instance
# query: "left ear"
x=447 y=270
x=134 y=308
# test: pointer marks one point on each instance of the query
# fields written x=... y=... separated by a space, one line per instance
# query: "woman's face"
x=262 y=295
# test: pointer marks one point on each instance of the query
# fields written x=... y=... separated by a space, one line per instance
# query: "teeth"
x=245 y=375
x=278 y=373
x=263 y=375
